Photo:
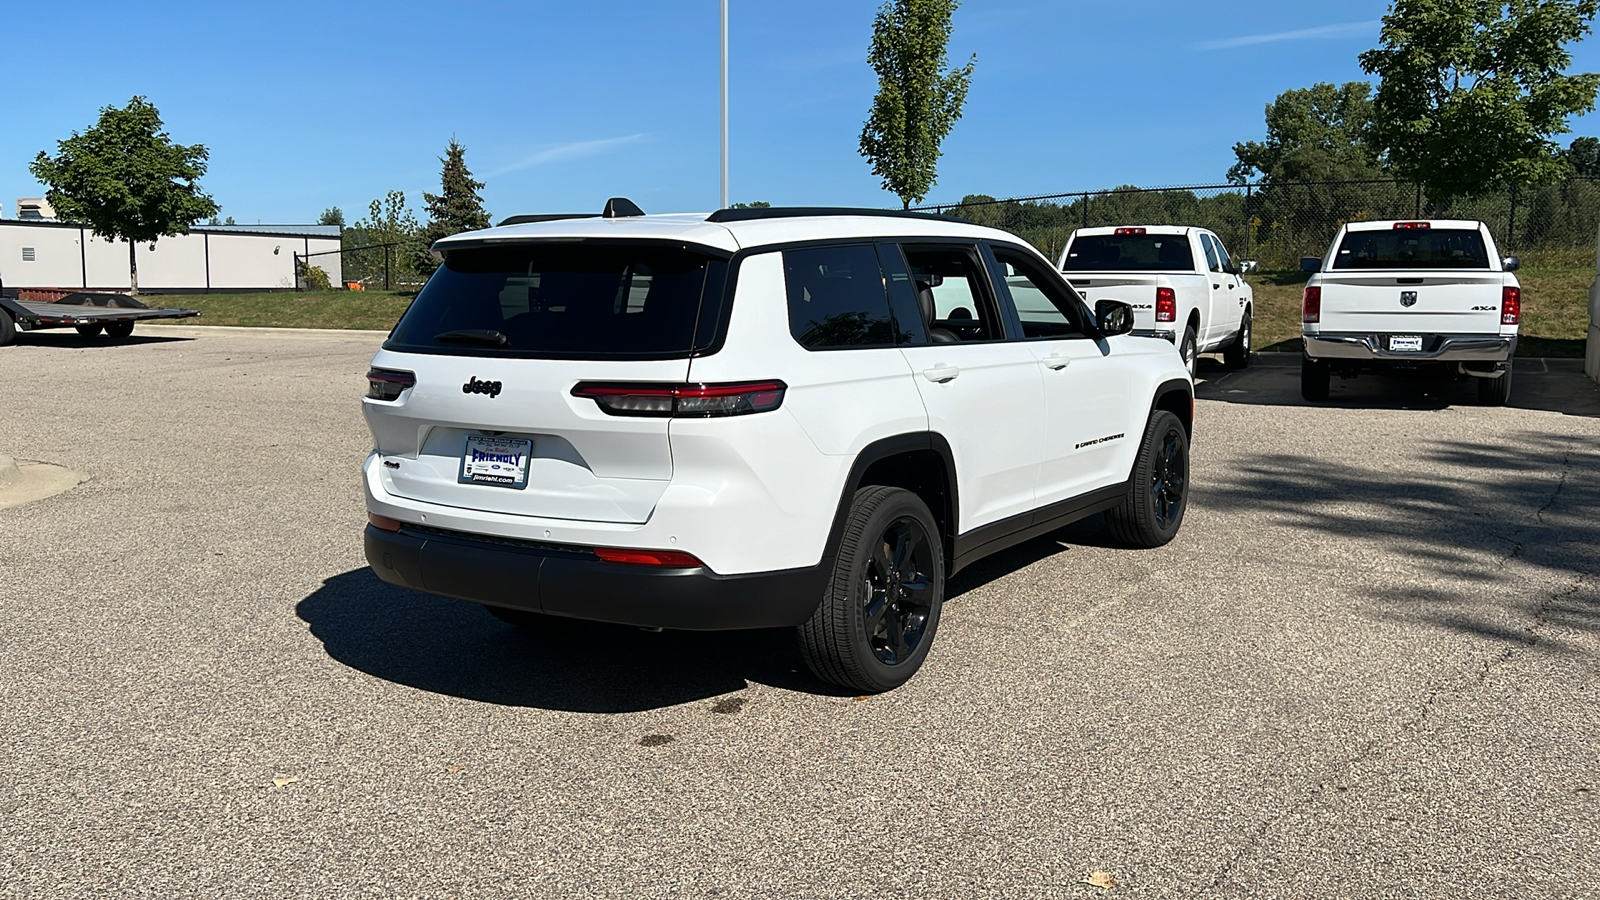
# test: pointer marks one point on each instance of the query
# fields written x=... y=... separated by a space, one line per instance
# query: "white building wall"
x=69 y=257
x=56 y=257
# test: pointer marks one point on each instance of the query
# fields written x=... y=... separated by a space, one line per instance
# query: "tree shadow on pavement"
x=1453 y=513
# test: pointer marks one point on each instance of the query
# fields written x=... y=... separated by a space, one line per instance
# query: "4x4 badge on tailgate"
x=1408 y=298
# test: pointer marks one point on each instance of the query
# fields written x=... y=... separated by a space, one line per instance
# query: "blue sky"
x=563 y=104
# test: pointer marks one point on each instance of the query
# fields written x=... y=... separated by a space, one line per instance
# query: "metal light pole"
x=724 y=104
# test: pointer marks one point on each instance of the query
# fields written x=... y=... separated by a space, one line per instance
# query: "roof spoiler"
x=616 y=208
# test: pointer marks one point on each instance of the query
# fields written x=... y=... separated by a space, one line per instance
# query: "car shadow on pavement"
x=1457 y=523
x=457 y=648
x=1276 y=384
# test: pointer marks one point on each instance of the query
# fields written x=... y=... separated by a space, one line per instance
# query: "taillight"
x=1510 y=305
x=684 y=400
x=1408 y=226
x=1311 y=305
x=1166 y=305
x=388 y=384
x=673 y=559
x=1129 y=231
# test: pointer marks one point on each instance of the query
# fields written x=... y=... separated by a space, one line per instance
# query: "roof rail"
x=545 y=217
x=795 y=212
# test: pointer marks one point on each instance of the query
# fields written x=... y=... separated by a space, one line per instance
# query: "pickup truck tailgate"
x=1412 y=302
x=1138 y=291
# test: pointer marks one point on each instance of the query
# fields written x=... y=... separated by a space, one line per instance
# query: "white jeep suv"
x=757 y=418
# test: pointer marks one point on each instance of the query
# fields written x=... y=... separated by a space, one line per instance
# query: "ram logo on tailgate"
x=1408 y=298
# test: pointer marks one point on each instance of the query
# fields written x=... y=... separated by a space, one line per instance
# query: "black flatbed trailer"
x=90 y=313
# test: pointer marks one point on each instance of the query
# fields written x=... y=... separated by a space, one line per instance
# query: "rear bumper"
x=572 y=582
x=1435 y=348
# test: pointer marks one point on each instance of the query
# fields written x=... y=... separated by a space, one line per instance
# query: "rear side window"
x=1412 y=248
x=564 y=301
x=1128 y=253
x=837 y=298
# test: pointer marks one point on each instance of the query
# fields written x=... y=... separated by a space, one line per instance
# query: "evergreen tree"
x=456 y=208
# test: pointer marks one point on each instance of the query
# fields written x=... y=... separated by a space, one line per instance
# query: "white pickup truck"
x=1408 y=296
x=1180 y=281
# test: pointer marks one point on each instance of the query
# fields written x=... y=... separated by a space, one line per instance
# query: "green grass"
x=1555 y=307
x=373 y=310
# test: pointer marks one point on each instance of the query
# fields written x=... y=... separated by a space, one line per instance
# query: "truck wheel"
x=1495 y=391
x=89 y=330
x=1313 y=379
x=877 y=619
x=1189 y=349
x=1237 y=355
x=1151 y=513
x=119 y=329
x=8 y=329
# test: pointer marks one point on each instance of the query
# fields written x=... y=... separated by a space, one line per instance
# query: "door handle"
x=1056 y=362
x=1215 y=286
x=941 y=373
x=1230 y=287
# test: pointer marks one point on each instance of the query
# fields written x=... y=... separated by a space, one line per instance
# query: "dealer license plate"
x=496 y=461
x=1411 y=342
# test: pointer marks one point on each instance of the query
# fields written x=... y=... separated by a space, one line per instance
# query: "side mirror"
x=1310 y=264
x=1510 y=264
x=1248 y=267
x=1113 y=316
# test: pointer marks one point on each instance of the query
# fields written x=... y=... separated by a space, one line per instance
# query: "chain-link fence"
x=1278 y=224
x=391 y=266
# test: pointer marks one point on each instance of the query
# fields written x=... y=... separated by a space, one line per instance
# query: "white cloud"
x=563 y=152
x=1349 y=29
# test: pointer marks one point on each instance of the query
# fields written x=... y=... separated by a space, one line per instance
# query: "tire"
x=521 y=618
x=119 y=329
x=89 y=330
x=1189 y=349
x=1495 y=391
x=1237 y=354
x=1152 y=513
x=8 y=328
x=1314 y=377
x=877 y=620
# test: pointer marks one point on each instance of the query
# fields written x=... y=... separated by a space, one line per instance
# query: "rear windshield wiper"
x=486 y=336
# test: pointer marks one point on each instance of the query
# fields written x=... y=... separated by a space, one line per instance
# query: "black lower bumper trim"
x=586 y=588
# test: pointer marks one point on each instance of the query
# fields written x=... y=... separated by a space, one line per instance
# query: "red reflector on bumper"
x=674 y=559
x=383 y=523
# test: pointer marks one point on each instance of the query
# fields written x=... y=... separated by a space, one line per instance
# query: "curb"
x=267 y=331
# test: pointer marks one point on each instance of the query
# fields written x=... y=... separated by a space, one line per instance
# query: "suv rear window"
x=1129 y=253
x=1412 y=248
x=566 y=301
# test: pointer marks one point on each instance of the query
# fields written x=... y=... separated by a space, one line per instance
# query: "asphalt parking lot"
x=1367 y=667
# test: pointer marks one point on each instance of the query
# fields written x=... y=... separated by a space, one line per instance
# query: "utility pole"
x=724 y=104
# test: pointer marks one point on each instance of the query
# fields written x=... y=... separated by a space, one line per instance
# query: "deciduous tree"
x=1472 y=91
x=126 y=180
x=919 y=98
x=1320 y=133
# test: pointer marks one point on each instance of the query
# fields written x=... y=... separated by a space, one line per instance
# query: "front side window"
x=1412 y=248
x=1222 y=255
x=837 y=298
x=1212 y=261
x=565 y=300
x=1047 y=308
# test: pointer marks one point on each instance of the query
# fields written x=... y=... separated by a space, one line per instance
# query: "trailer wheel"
x=119 y=329
x=89 y=329
x=8 y=329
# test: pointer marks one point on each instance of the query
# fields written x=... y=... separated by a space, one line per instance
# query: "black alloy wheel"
x=1152 y=511
x=896 y=591
x=878 y=618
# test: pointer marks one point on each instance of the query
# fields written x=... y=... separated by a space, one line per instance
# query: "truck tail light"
x=684 y=400
x=1311 y=305
x=1166 y=305
x=1408 y=226
x=669 y=559
x=1510 y=305
x=388 y=384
